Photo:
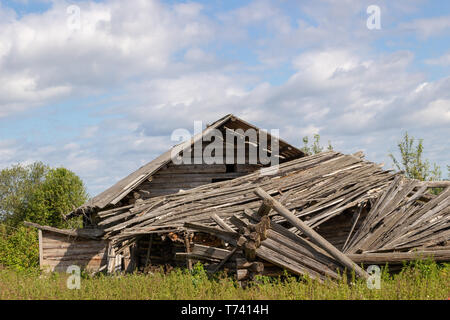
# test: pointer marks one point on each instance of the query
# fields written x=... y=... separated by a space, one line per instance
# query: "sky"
x=98 y=87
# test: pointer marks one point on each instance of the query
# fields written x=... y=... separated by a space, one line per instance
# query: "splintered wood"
x=321 y=216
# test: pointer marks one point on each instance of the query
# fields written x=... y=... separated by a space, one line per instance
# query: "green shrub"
x=59 y=193
x=423 y=283
x=19 y=248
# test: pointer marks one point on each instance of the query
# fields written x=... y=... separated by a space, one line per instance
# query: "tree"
x=19 y=249
x=17 y=184
x=412 y=163
x=315 y=148
x=60 y=193
x=39 y=194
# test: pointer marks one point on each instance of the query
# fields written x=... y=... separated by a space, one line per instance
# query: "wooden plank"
x=227 y=236
x=224 y=260
x=436 y=184
x=211 y=252
x=318 y=239
x=84 y=233
x=41 y=250
x=400 y=257
x=72 y=251
x=194 y=168
x=194 y=177
x=188 y=250
x=111 y=259
x=221 y=223
x=75 y=257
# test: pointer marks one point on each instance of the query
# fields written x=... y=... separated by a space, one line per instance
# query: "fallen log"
x=400 y=257
x=309 y=232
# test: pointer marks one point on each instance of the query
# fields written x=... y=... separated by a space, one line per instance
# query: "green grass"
x=416 y=281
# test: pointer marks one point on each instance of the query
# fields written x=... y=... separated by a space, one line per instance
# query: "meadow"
x=420 y=280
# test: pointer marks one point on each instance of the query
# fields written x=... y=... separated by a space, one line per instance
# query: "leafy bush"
x=35 y=193
x=179 y=284
x=59 y=193
x=17 y=184
x=19 y=248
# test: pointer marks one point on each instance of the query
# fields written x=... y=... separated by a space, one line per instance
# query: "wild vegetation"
x=411 y=161
x=420 y=280
x=35 y=193
x=315 y=147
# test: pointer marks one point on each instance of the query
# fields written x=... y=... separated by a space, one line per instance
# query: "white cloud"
x=427 y=27
x=41 y=59
x=8 y=151
x=437 y=112
x=322 y=65
x=443 y=61
x=89 y=132
x=160 y=58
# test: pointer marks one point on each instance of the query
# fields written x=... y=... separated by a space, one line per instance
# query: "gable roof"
x=121 y=189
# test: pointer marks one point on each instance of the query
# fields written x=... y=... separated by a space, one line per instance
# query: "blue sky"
x=101 y=93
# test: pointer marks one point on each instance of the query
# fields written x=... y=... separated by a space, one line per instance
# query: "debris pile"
x=320 y=216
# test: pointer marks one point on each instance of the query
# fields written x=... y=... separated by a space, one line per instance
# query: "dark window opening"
x=220 y=179
x=230 y=168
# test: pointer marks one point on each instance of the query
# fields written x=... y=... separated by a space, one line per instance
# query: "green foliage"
x=60 y=193
x=421 y=280
x=35 y=193
x=198 y=274
x=39 y=194
x=17 y=184
x=19 y=248
x=412 y=163
x=315 y=148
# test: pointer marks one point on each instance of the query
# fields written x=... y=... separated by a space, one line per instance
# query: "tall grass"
x=416 y=281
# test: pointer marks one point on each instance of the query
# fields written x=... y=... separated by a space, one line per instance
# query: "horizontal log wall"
x=59 y=251
x=175 y=177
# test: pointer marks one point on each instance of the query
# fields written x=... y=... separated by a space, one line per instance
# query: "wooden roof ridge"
x=123 y=187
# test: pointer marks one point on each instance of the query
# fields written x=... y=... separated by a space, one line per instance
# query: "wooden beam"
x=265 y=208
x=111 y=259
x=221 y=223
x=188 y=250
x=400 y=257
x=41 y=250
x=83 y=233
x=226 y=236
x=224 y=260
x=309 y=232
x=436 y=184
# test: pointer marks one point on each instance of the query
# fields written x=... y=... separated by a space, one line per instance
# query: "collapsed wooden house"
x=319 y=215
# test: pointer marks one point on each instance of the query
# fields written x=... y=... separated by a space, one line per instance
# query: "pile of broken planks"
x=320 y=216
x=259 y=238
x=318 y=188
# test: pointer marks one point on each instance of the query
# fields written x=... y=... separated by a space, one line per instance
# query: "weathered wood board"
x=59 y=251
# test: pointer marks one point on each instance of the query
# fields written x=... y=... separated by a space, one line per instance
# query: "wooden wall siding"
x=60 y=251
x=172 y=178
